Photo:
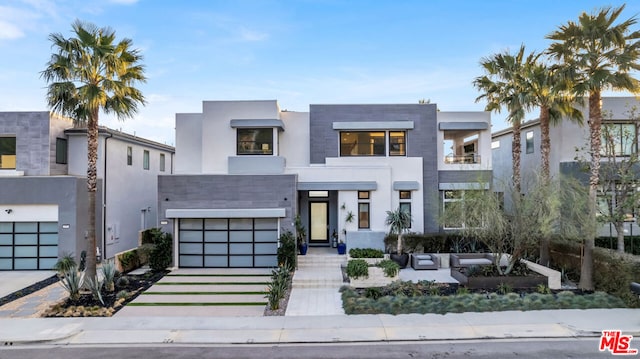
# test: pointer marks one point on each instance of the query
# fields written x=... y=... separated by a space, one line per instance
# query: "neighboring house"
x=43 y=191
x=569 y=141
x=245 y=169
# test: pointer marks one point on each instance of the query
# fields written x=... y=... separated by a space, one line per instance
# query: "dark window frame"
x=61 y=151
x=146 y=160
x=129 y=156
x=245 y=146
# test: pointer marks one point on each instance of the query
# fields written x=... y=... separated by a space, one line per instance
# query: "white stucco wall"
x=294 y=141
x=188 y=143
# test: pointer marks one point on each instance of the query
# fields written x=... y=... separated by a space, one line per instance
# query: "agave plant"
x=95 y=286
x=72 y=281
x=109 y=274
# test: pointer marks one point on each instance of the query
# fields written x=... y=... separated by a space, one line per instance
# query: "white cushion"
x=474 y=261
x=425 y=262
x=422 y=256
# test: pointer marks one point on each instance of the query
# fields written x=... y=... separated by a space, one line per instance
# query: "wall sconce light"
x=8 y=210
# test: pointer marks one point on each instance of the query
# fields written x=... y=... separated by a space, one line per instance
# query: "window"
x=397 y=144
x=529 y=141
x=450 y=199
x=363 y=209
x=405 y=202
x=495 y=144
x=362 y=144
x=162 y=162
x=618 y=139
x=7 y=153
x=61 y=150
x=145 y=159
x=129 y=155
x=255 y=141
x=319 y=194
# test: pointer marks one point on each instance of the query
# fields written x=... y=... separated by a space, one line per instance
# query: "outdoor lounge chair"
x=424 y=261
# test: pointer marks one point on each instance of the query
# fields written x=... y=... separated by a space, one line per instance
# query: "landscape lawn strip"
x=196 y=304
x=203 y=293
x=211 y=283
x=218 y=275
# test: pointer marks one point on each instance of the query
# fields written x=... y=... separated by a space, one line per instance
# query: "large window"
x=61 y=150
x=362 y=143
x=162 y=162
x=145 y=159
x=529 y=141
x=7 y=152
x=405 y=202
x=255 y=141
x=618 y=139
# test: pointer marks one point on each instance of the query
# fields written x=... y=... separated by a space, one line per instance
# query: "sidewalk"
x=318 y=329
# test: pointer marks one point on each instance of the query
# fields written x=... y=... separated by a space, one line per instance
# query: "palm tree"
x=543 y=87
x=87 y=74
x=398 y=221
x=596 y=54
x=501 y=86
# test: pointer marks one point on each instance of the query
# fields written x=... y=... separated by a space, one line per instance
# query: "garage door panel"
x=22 y=239
x=240 y=223
x=6 y=251
x=6 y=239
x=49 y=227
x=26 y=226
x=266 y=236
x=190 y=261
x=266 y=248
x=190 y=236
x=241 y=248
x=191 y=248
x=241 y=261
x=47 y=262
x=216 y=261
x=48 y=251
x=266 y=223
x=266 y=261
x=6 y=264
x=241 y=236
x=49 y=238
x=6 y=227
x=216 y=223
x=216 y=248
x=220 y=237
x=25 y=263
x=26 y=251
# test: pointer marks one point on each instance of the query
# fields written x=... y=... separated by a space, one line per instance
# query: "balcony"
x=469 y=158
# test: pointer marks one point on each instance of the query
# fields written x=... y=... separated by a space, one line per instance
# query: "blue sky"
x=298 y=52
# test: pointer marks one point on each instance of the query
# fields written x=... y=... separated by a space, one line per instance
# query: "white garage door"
x=28 y=245
x=228 y=242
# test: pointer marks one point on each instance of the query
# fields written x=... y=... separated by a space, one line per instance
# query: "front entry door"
x=319 y=219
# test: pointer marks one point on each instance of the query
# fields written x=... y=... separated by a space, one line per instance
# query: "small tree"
x=398 y=221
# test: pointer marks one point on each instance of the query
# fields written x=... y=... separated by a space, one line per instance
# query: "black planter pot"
x=401 y=259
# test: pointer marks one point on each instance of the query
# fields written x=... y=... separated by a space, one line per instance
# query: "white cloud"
x=252 y=35
x=9 y=31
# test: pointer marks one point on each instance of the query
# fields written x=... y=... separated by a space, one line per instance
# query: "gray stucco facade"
x=421 y=140
x=227 y=192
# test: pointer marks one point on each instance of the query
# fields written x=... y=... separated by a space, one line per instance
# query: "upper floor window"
x=7 y=153
x=372 y=143
x=255 y=141
x=129 y=155
x=618 y=139
x=145 y=159
x=61 y=150
x=162 y=162
x=397 y=143
x=529 y=141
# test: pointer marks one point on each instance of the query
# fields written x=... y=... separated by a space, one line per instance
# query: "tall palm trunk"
x=595 y=130
x=545 y=149
x=516 y=150
x=92 y=185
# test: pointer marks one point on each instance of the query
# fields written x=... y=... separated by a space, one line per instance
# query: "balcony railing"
x=470 y=158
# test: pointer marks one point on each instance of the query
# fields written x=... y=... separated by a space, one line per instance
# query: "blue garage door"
x=28 y=245
x=228 y=242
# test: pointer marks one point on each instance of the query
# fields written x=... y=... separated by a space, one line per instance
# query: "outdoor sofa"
x=424 y=261
x=471 y=259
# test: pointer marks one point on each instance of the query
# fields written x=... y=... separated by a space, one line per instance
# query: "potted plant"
x=301 y=236
x=399 y=221
x=342 y=247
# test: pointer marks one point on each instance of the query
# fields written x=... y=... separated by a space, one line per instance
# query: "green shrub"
x=65 y=264
x=161 y=255
x=612 y=273
x=631 y=244
x=72 y=281
x=276 y=289
x=389 y=267
x=129 y=260
x=366 y=253
x=287 y=249
x=357 y=268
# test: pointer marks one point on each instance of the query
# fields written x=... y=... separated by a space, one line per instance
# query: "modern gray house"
x=245 y=169
x=43 y=195
x=569 y=140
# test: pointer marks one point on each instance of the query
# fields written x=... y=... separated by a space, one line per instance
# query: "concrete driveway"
x=11 y=281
